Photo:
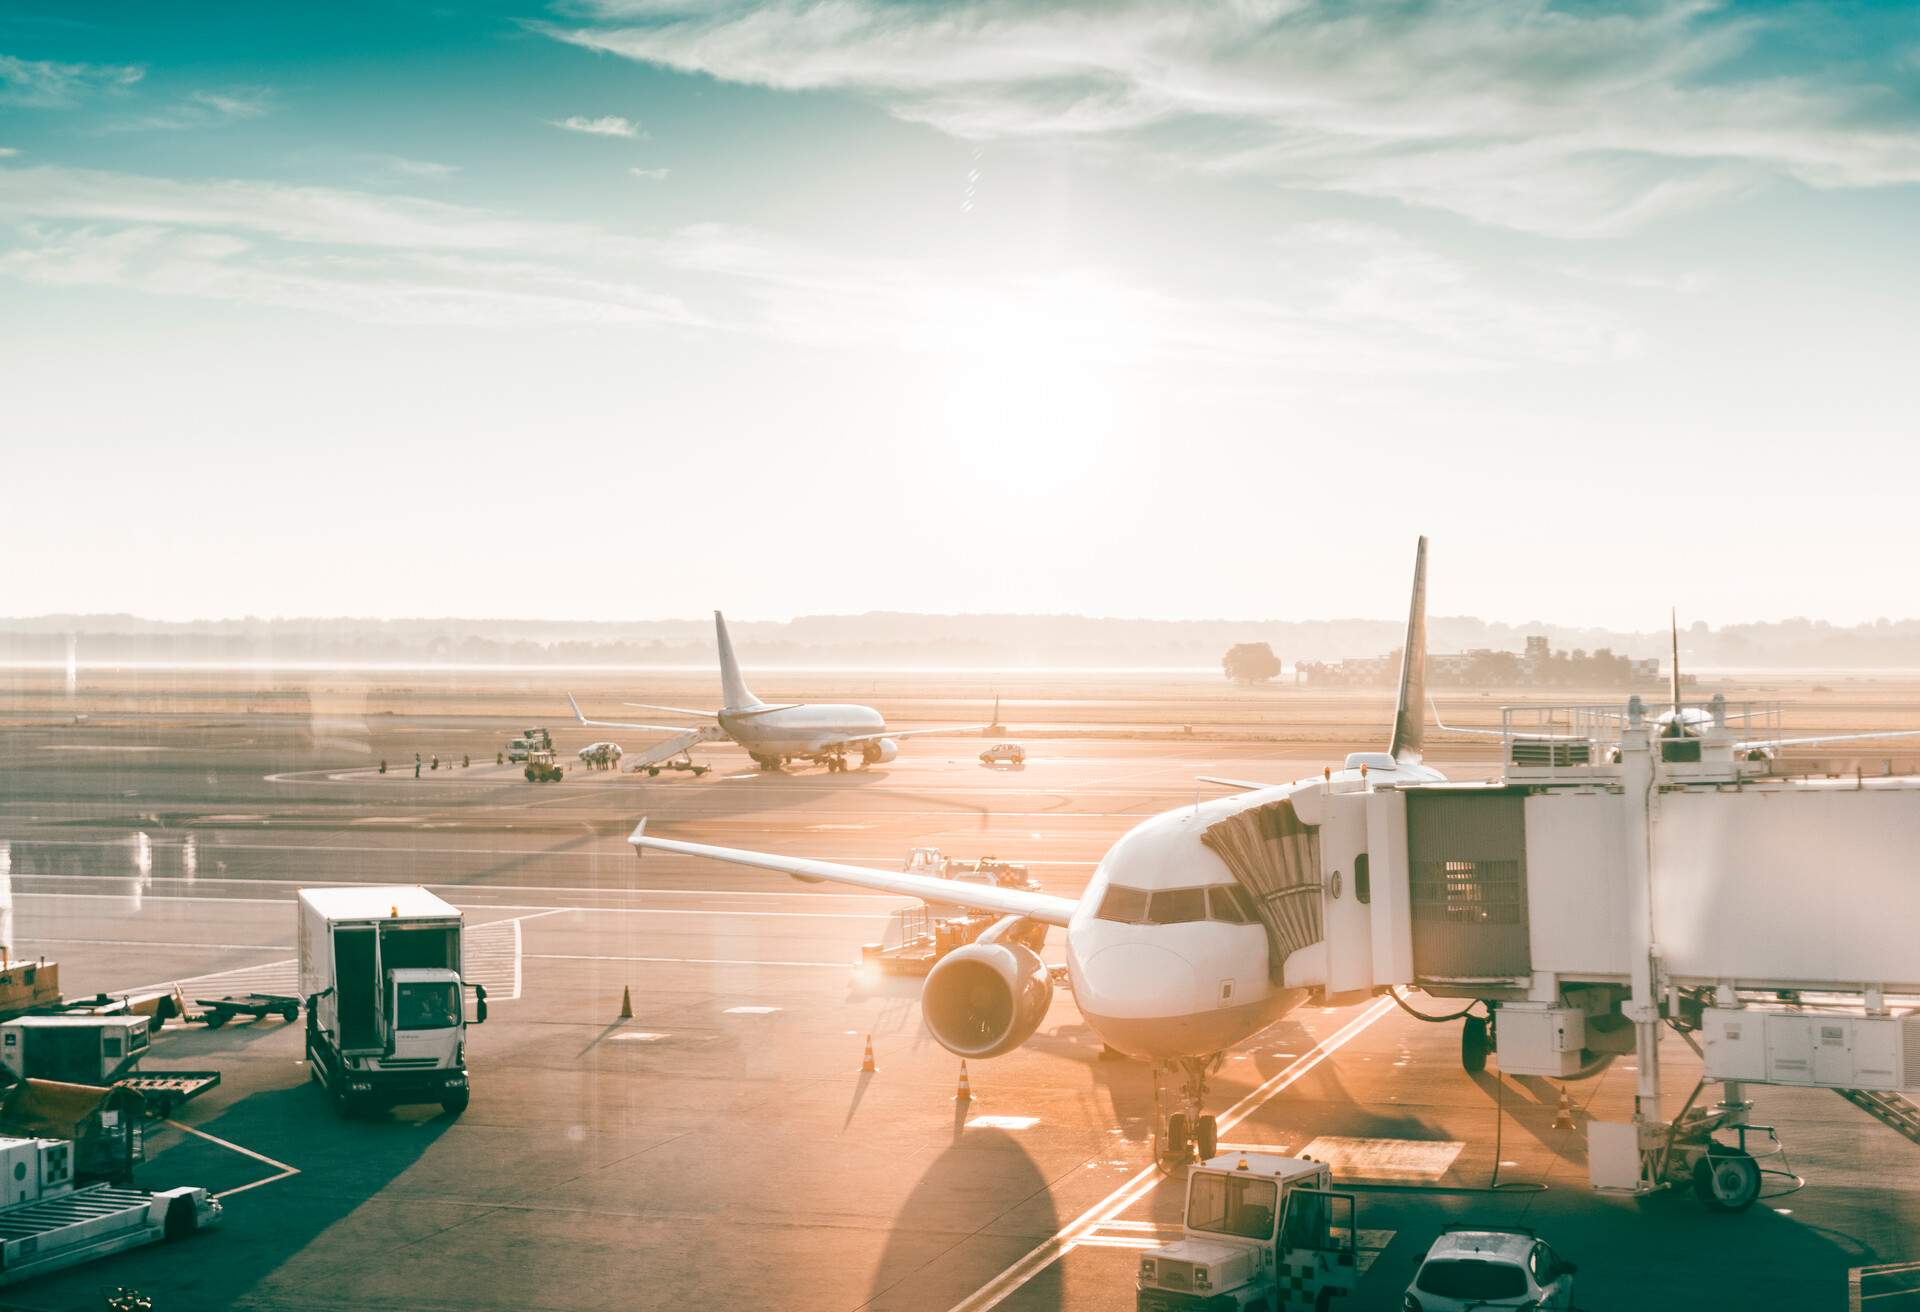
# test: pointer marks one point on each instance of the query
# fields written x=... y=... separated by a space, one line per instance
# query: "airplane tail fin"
x=738 y=698
x=1409 y=714
x=1673 y=620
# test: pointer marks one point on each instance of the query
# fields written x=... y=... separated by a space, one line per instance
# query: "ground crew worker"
x=416 y=765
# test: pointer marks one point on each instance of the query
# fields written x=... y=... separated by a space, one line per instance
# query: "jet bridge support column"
x=1643 y=1006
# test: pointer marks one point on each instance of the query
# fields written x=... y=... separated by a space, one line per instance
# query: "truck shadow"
x=982 y=1205
x=342 y=1166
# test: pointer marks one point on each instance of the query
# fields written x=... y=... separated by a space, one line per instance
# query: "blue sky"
x=1135 y=309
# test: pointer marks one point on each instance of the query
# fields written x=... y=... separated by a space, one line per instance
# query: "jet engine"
x=876 y=750
x=986 y=999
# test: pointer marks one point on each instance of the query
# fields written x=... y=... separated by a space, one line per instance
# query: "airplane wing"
x=677 y=710
x=908 y=733
x=1531 y=737
x=1042 y=907
x=1246 y=784
x=618 y=724
x=1770 y=743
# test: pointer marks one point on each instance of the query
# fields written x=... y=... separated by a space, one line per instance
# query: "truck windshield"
x=1232 y=1205
x=428 y=1006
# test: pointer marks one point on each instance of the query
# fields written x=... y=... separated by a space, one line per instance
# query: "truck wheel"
x=653 y=772
x=1207 y=1138
x=289 y=1014
x=454 y=1101
x=1473 y=1044
x=1726 y=1179
x=344 y=1103
x=215 y=1019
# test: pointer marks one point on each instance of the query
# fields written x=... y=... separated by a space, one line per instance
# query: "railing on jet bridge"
x=1582 y=739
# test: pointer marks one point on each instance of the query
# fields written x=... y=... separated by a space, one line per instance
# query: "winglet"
x=576 y=709
x=1409 y=714
x=639 y=832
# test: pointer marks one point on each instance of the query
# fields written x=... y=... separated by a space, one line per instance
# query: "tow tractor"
x=1260 y=1231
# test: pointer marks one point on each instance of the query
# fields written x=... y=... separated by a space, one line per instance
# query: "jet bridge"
x=1629 y=872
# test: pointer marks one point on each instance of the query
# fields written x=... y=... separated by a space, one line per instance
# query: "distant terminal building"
x=1537 y=666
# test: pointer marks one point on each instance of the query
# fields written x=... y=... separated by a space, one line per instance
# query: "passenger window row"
x=1228 y=903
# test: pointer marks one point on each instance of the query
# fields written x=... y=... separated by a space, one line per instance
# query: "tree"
x=1250 y=662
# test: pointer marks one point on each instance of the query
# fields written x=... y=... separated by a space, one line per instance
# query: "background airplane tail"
x=738 y=697
x=1409 y=715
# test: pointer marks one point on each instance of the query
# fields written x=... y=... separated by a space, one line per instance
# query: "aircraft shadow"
x=985 y=1180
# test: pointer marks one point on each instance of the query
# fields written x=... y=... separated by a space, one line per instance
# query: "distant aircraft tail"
x=1409 y=715
x=738 y=697
x=1673 y=622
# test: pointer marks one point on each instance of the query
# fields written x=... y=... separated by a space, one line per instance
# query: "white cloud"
x=607 y=125
x=200 y=109
x=44 y=84
x=430 y=170
x=8 y=152
x=1570 y=120
x=651 y=175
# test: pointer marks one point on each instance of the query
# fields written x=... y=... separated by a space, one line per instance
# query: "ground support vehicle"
x=164 y=1091
x=601 y=756
x=1260 y=1231
x=26 y=985
x=387 y=1011
x=541 y=769
x=916 y=939
x=1472 y=1267
x=215 y=1012
x=47 y=1224
x=1004 y=754
x=72 y=1047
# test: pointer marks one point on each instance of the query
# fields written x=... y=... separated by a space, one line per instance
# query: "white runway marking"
x=751 y=1011
x=284 y=1170
x=1003 y=1122
x=1383 y=1159
x=1077 y=1232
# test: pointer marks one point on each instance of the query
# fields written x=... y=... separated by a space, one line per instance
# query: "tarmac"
x=721 y=1148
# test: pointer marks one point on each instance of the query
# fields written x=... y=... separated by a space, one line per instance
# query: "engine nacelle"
x=876 y=750
x=986 y=999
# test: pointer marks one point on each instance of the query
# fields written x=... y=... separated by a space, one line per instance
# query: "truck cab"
x=1261 y=1231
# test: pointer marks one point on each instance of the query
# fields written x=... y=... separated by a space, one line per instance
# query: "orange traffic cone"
x=866 y=1063
x=626 y=1002
x=965 y=1092
x=1563 y=1114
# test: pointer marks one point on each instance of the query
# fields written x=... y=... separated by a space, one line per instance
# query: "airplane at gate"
x=1170 y=956
x=774 y=735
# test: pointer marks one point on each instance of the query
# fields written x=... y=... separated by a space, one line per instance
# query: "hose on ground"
x=1402 y=1003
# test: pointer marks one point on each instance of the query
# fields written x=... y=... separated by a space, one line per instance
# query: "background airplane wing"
x=621 y=724
x=1770 y=743
x=909 y=733
x=1043 y=907
x=677 y=710
x=1246 y=784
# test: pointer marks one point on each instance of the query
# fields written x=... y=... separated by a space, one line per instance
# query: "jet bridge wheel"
x=1726 y=1179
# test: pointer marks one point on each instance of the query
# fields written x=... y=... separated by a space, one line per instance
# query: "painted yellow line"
x=1102 y=1214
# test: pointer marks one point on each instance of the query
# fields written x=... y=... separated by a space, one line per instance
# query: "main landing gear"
x=1187 y=1135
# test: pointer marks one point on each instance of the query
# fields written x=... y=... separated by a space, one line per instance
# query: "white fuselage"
x=799 y=730
x=1163 y=992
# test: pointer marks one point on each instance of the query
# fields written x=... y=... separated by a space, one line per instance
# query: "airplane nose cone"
x=1138 y=980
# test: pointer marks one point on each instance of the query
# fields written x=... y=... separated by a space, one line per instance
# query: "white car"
x=1468 y=1269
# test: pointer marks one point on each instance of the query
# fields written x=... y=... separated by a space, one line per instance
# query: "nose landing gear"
x=1189 y=1134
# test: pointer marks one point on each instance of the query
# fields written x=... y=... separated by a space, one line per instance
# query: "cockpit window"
x=1178 y=906
x=1126 y=905
x=1228 y=902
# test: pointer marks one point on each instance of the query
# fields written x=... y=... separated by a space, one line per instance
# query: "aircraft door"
x=1316 y=1255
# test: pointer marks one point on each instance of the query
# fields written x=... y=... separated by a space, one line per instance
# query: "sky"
x=631 y=308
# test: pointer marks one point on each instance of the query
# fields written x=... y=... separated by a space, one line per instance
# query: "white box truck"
x=387 y=1011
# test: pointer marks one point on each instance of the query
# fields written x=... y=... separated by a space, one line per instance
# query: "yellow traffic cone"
x=626 y=1002
x=965 y=1092
x=866 y=1063
x=1563 y=1114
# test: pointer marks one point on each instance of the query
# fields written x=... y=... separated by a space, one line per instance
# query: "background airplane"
x=1171 y=958
x=825 y=734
